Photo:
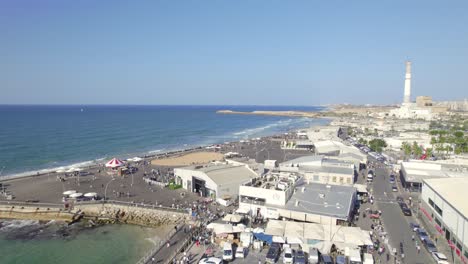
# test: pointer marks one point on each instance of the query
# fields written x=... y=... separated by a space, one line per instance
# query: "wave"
x=265 y=130
x=17 y=224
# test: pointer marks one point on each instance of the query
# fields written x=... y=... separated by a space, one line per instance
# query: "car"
x=227 y=251
x=422 y=234
x=240 y=252
x=404 y=208
x=392 y=179
x=440 y=258
x=400 y=199
x=300 y=257
x=211 y=260
x=288 y=256
x=326 y=259
x=273 y=253
x=430 y=246
x=414 y=226
x=340 y=259
x=314 y=256
x=394 y=188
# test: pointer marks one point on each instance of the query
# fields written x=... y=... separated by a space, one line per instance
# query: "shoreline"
x=147 y=156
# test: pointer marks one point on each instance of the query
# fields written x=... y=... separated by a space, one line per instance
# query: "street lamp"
x=105 y=190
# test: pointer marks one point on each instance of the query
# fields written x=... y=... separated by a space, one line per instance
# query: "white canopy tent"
x=233 y=218
x=69 y=192
x=243 y=210
x=311 y=233
x=225 y=228
x=90 y=195
x=76 y=195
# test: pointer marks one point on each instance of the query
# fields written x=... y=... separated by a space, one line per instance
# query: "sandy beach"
x=188 y=159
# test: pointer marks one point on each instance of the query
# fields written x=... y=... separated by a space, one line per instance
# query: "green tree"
x=377 y=144
x=417 y=150
x=429 y=152
x=406 y=147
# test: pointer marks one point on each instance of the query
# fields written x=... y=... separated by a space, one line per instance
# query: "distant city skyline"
x=231 y=53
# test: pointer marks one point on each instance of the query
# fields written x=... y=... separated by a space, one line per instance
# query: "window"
x=466 y=254
x=348 y=180
x=341 y=180
x=438 y=210
x=334 y=179
x=459 y=246
x=438 y=221
x=431 y=203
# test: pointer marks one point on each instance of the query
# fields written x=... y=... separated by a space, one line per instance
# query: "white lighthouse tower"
x=407 y=94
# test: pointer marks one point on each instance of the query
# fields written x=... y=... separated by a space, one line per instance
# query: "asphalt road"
x=395 y=223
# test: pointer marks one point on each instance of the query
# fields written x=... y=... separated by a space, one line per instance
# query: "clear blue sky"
x=230 y=52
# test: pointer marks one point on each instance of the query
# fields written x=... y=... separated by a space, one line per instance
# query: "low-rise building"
x=321 y=169
x=219 y=180
x=413 y=173
x=445 y=206
x=288 y=196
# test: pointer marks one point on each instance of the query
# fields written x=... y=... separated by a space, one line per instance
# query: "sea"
x=44 y=138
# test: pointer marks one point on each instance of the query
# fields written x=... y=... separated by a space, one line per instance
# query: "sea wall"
x=151 y=217
x=101 y=213
x=34 y=213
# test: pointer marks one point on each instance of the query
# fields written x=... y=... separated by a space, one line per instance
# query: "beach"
x=188 y=159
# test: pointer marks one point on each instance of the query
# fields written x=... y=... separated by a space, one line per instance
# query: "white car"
x=211 y=260
x=288 y=256
x=440 y=258
x=240 y=252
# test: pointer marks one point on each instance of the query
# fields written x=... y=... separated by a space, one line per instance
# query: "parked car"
x=394 y=188
x=314 y=256
x=340 y=259
x=430 y=246
x=273 y=253
x=440 y=258
x=240 y=252
x=300 y=257
x=326 y=259
x=392 y=179
x=404 y=208
x=422 y=234
x=211 y=260
x=288 y=256
x=227 y=252
x=400 y=199
x=414 y=226
x=402 y=251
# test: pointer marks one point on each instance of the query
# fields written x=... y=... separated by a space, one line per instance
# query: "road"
x=395 y=223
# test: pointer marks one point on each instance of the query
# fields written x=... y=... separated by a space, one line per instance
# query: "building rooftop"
x=316 y=198
x=451 y=190
x=225 y=173
x=316 y=159
x=330 y=169
x=417 y=171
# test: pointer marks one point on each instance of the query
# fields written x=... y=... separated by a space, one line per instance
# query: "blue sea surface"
x=34 y=138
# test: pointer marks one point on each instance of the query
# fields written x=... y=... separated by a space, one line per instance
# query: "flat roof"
x=331 y=169
x=225 y=173
x=304 y=159
x=451 y=190
x=322 y=199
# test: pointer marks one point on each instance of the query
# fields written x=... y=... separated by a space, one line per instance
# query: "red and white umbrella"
x=114 y=163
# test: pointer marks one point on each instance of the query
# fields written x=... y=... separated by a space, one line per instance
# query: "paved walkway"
x=166 y=252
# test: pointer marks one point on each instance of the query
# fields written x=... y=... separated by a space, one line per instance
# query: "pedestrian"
x=152 y=260
x=418 y=248
x=412 y=237
x=168 y=243
x=175 y=228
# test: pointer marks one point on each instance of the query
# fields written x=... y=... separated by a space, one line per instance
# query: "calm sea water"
x=34 y=138
x=31 y=242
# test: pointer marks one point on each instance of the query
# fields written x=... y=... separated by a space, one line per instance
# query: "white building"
x=214 y=180
x=413 y=173
x=320 y=169
x=444 y=204
x=285 y=195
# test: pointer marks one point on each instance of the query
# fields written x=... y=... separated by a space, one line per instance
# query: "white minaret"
x=407 y=96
